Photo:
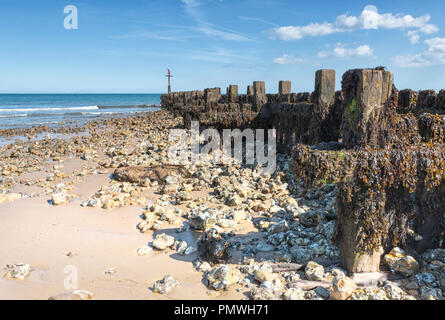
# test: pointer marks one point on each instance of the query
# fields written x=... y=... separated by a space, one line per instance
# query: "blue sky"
x=127 y=46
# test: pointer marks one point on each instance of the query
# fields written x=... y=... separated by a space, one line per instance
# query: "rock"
x=370 y=293
x=413 y=285
x=212 y=247
x=222 y=277
x=393 y=292
x=9 y=197
x=60 y=198
x=426 y=278
x=227 y=223
x=145 y=250
x=275 y=210
x=263 y=225
x=165 y=285
x=399 y=262
x=163 y=241
x=171 y=180
x=170 y=189
x=322 y=292
x=182 y=247
x=342 y=288
x=263 y=294
x=433 y=255
x=311 y=219
x=278 y=227
x=18 y=271
x=145 y=225
x=264 y=275
x=314 y=271
x=168 y=216
x=430 y=293
x=203 y=266
x=140 y=174
x=267 y=285
x=338 y=273
x=294 y=294
x=190 y=250
x=202 y=221
x=234 y=201
x=73 y=295
x=265 y=247
x=239 y=216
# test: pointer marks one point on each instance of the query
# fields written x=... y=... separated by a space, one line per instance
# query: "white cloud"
x=190 y=6
x=287 y=59
x=340 y=51
x=313 y=30
x=192 y=9
x=258 y=20
x=414 y=36
x=370 y=19
x=225 y=35
x=435 y=55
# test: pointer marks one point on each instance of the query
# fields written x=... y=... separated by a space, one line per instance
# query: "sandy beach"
x=94 y=240
x=106 y=203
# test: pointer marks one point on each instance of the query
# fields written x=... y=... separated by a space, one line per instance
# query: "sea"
x=28 y=110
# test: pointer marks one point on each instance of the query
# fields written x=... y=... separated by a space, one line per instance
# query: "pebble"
x=145 y=250
x=163 y=241
x=18 y=271
x=314 y=271
x=222 y=277
x=165 y=285
x=342 y=288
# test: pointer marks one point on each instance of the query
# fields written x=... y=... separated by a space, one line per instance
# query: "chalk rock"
x=393 y=292
x=182 y=247
x=60 y=198
x=9 y=197
x=145 y=250
x=264 y=275
x=399 y=262
x=163 y=241
x=234 y=201
x=165 y=285
x=239 y=215
x=203 y=266
x=342 y=288
x=222 y=277
x=202 y=221
x=227 y=223
x=314 y=271
x=18 y=271
x=294 y=294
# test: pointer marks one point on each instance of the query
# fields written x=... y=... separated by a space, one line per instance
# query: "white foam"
x=50 y=109
x=15 y=115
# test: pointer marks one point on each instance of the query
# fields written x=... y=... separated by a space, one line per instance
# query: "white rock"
x=145 y=250
x=163 y=241
x=18 y=271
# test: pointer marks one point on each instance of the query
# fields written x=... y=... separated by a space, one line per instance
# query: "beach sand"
x=93 y=240
x=37 y=233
